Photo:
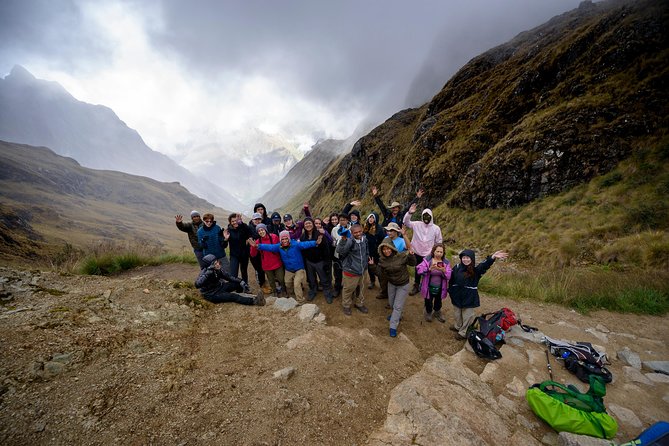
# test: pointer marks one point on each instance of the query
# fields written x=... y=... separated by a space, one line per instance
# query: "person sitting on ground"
x=393 y=265
x=210 y=237
x=271 y=261
x=463 y=288
x=291 y=256
x=395 y=214
x=191 y=229
x=435 y=270
x=217 y=286
x=426 y=234
x=315 y=260
x=354 y=254
x=276 y=226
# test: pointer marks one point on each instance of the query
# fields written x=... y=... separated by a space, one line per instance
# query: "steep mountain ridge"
x=553 y=108
x=49 y=198
x=43 y=113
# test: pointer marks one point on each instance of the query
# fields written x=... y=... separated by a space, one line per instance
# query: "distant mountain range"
x=43 y=113
x=47 y=199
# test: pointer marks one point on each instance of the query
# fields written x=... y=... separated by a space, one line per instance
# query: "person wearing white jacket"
x=426 y=234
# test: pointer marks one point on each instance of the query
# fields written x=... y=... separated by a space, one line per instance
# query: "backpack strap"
x=526 y=328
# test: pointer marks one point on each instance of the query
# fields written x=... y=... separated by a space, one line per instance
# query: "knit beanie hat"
x=284 y=234
x=194 y=214
x=261 y=226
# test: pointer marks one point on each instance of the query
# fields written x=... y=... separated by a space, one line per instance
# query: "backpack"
x=482 y=346
x=494 y=326
x=580 y=358
x=656 y=435
x=566 y=409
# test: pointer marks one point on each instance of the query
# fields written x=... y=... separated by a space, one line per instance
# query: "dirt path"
x=95 y=360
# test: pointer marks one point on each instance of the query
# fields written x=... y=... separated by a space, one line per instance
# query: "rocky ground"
x=140 y=359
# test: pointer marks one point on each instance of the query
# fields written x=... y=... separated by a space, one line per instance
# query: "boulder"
x=630 y=358
x=656 y=366
x=285 y=304
x=657 y=377
x=308 y=311
x=625 y=416
x=635 y=375
x=569 y=439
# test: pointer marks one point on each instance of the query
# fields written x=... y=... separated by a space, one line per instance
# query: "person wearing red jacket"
x=271 y=261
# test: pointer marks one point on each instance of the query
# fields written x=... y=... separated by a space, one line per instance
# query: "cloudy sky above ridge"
x=185 y=73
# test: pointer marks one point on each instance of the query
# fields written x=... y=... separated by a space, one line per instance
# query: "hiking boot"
x=260 y=298
x=415 y=290
x=362 y=309
x=428 y=316
x=347 y=311
x=393 y=333
x=311 y=297
x=437 y=315
x=266 y=289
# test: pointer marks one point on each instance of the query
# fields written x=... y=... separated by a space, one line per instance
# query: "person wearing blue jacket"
x=210 y=237
x=291 y=256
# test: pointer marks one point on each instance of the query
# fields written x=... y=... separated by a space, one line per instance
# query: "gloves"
x=344 y=232
x=245 y=286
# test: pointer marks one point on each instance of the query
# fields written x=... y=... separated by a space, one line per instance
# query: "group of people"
x=334 y=255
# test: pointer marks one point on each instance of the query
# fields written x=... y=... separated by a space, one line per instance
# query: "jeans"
x=237 y=263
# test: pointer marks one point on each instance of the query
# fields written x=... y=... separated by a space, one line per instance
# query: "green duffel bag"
x=566 y=409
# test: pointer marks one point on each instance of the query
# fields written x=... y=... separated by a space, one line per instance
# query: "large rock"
x=308 y=311
x=624 y=416
x=285 y=304
x=630 y=358
x=569 y=439
x=656 y=366
x=447 y=403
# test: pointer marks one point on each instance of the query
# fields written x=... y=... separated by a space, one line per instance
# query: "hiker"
x=271 y=261
x=333 y=221
x=210 y=238
x=353 y=215
x=191 y=229
x=217 y=286
x=342 y=222
x=375 y=234
x=435 y=270
x=394 y=264
x=276 y=226
x=236 y=235
x=425 y=235
x=395 y=213
x=295 y=228
x=260 y=208
x=463 y=288
x=353 y=252
x=320 y=224
x=257 y=219
x=315 y=260
x=393 y=230
x=291 y=256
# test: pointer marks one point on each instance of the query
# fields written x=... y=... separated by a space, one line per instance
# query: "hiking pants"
x=433 y=302
x=316 y=270
x=336 y=270
x=352 y=291
x=397 y=295
x=416 y=276
x=225 y=294
x=257 y=265
x=199 y=254
x=371 y=270
x=383 y=284
x=296 y=282
x=237 y=263
x=464 y=317
x=274 y=276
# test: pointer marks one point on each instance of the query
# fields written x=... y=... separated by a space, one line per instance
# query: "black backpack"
x=483 y=347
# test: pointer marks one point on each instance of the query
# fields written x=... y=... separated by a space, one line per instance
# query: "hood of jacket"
x=469 y=253
x=427 y=211
x=260 y=205
x=275 y=215
x=389 y=243
x=208 y=260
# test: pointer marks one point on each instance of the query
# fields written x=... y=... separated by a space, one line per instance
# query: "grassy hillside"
x=50 y=204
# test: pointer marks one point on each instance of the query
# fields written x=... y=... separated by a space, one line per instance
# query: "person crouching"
x=217 y=285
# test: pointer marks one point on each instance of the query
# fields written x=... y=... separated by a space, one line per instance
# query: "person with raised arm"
x=426 y=234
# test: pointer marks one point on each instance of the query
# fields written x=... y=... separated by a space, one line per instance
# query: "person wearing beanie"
x=256 y=261
x=217 y=286
x=295 y=228
x=426 y=234
x=375 y=235
x=463 y=288
x=191 y=229
x=275 y=226
x=291 y=256
x=271 y=261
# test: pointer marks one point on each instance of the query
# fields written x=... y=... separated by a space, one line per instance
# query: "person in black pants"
x=236 y=234
x=217 y=285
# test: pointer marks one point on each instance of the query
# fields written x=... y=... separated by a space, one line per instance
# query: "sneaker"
x=362 y=309
x=437 y=315
x=428 y=316
x=347 y=311
x=393 y=333
x=260 y=298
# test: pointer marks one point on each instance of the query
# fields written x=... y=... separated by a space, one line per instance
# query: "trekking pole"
x=548 y=363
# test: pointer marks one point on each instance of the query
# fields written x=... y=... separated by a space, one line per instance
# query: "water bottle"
x=565 y=355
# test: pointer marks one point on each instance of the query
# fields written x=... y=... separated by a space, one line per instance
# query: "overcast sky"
x=182 y=72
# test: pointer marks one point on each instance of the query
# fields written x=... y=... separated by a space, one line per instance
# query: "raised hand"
x=412 y=208
x=179 y=218
x=502 y=255
x=306 y=204
x=252 y=242
x=355 y=203
x=420 y=192
x=226 y=234
x=374 y=191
